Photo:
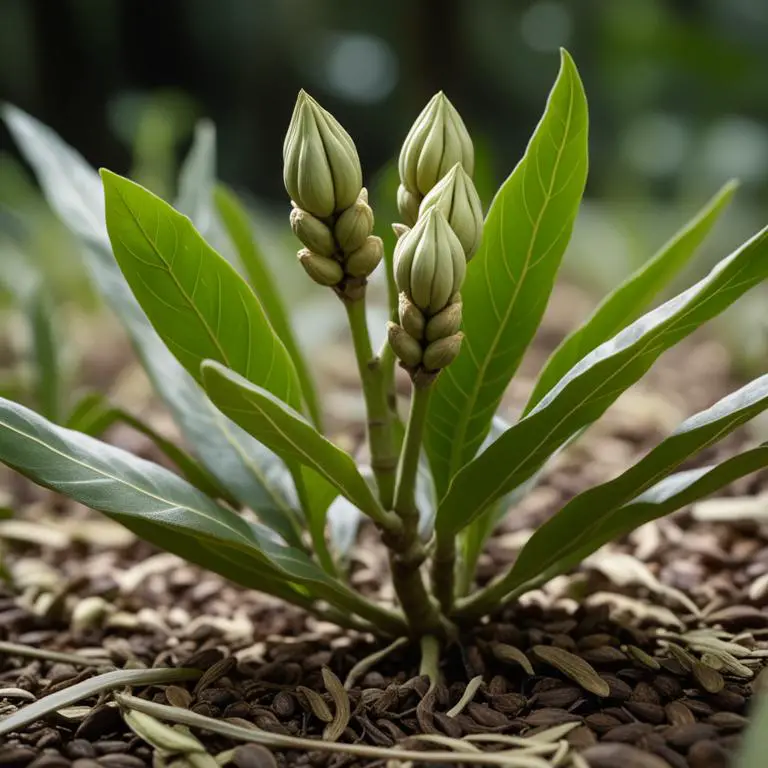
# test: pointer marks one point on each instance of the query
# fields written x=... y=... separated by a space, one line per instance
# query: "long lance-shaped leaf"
x=196 y=301
x=632 y=297
x=238 y=225
x=573 y=526
x=74 y=191
x=669 y=495
x=587 y=390
x=286 y=432
x=140 y=494
x=94 y=414
x=510 y=278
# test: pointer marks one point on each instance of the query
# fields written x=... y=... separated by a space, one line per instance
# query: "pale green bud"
x=436 y=142
x=411 y=317
x=321 y=169
x=442 y=352
x=455 y=195
x=429 y=263
x=312 y=232
x=407 y=349
x=321 y=269
x=400 y=230
x=354 y=225
x=445 y=323
x=365 y=259
x=408 y=205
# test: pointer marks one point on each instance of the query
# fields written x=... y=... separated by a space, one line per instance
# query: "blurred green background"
x=677 y=91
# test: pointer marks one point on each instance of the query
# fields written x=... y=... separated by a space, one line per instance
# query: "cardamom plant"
x=468 y=293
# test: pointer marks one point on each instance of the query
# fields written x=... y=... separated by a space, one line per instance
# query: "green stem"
x=380 y=433
x=444 y=570
x=430 y=659
x=405 y=563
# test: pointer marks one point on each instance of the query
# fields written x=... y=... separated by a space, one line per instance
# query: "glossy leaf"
x=74 y=191
x=286 y=432
x=162 y=507
x=238 y=225
x=94 y=414
x=196 y=301
x=583 y=520
x=587 y=390
x=632 y=297
x=510 y=278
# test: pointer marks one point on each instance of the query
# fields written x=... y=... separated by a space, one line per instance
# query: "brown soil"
x=663 y=709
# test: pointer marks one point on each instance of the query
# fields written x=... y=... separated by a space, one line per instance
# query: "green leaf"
x=510 y=278
x=238 y=226
x=580 y=525
x=45 y=353
x=286 y=432
x=196 y=301
x=590 y=387
x=74 y=191
x=93 y=686
x=628 y=300
x=94 y=414
x=162 y=506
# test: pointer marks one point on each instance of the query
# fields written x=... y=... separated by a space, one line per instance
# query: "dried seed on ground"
x=316 y=703
x=669 y=755
x=215 y=672
x=253 y=756
x=641 y=657
x=683 y=736
x=341 y=716
x=615 y=755
x=629 y=733
x=559 y=697
x=486 y=716
x=580 y=671
x=708 y=754
x=121 y=761
x=708 y=678
x=50 y=761
x=607 y=654
x=284 y=704
x=581 y=737
x=645 y=712
x=178 y=696
x=599 y=722
x=678 y=714
x=549 y=716
x=448 y=724
x=509 y=703
x=617 y=689
x=645 y=693
x=511 y=655
x=13 y=756
x=727 y=721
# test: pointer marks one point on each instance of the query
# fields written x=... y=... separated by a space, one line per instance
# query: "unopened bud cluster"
x=436 y=142
x=430 y=265
x=331 y=215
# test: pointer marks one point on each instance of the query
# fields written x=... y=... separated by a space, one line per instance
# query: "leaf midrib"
x=457 y=446
x=169 y=269
x=639 y=353
x=168 y=502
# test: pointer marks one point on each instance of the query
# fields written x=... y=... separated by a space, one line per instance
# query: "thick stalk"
x=444 y=570
x=421 y=613
x=380 y=433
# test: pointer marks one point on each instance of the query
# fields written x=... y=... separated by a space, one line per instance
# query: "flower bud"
x=455 y=195
x=312 y=232
x=365 y=259
x=354 y=225
x=404 y=346
x=429 y=263
x=411 y=317
x=321 y=169
x=442 y=352
x=436 y=142
x=400 y=230
x=321 y=269
x=445 y=323
x=408 y=205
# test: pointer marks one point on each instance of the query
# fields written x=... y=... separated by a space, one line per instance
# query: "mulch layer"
x=672 y=623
